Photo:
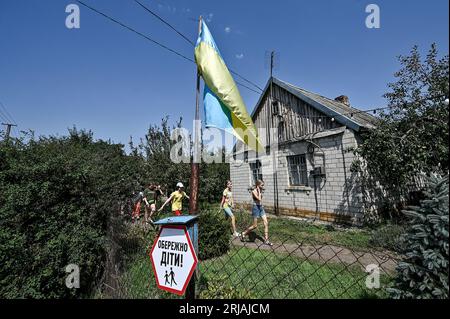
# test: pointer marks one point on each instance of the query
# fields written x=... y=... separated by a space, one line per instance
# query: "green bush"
x=214 y=234
x=57 y=194
x=424 y=272
x=388 y=236
x=218 y=288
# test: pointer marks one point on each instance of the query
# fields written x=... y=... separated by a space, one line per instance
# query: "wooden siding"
x=298 y=118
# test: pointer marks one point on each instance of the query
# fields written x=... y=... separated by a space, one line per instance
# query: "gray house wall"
x=334 y=197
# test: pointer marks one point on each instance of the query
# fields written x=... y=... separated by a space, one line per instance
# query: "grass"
x=138 y=282
x=246 y=272
x=258 y=274
x=297 y=231
x=264 y=274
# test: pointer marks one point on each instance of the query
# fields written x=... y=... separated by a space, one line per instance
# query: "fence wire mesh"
x=230 y=267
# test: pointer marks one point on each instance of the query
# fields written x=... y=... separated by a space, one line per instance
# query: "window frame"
x=301 y=167
x=258 y=170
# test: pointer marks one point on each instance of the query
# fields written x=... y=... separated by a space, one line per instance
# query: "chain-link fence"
x=295 y=266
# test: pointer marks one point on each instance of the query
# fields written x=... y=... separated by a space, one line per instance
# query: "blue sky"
x=105 y=78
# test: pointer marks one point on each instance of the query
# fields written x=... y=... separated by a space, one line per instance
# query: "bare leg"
x=146 y=214
x=266 y=227
x=153 y=210
x=253 y=226
x=233 y=224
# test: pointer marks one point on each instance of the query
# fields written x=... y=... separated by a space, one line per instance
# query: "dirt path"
x=329 y=253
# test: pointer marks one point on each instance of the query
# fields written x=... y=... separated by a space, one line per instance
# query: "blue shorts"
x=258 y=211
x=228 y=211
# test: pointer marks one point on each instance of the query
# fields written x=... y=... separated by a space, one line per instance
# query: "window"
x=298 y=173
x=275 y=108
x=256 y=169
x=246 y=156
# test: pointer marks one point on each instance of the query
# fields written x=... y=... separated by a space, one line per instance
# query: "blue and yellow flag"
x=224 y=107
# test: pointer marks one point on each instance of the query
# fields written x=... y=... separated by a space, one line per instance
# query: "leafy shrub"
x=218 y=288
x=388 y=236
x=424 y=272
x=391 y=156
x=160 y=168
x=57 y=194
x=214 y=234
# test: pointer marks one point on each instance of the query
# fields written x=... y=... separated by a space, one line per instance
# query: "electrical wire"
x=6 y=115
x=164 y=21
x=192 y=43
x=148 y=38
x=135 y=31
x=258 y=89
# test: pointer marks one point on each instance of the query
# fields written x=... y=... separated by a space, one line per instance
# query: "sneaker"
x=236 y=234
x=268 y=243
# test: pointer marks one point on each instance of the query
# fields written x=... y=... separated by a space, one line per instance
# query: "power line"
x=3 y=116
x=148 y=38
x=135 y=31
x=259 y=89
x=6 y=114
x=192 y=43
x=165 y=22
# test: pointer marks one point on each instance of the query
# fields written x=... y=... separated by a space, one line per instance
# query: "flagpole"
x=194 y=180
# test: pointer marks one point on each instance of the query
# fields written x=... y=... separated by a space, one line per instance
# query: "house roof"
x=341 y=112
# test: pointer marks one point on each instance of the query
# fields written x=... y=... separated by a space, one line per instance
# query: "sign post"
x=174 y=255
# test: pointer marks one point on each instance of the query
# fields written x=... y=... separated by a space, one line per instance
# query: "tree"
x=412 y=136
x=424 y=271
x=57 y=197
x=160 y=168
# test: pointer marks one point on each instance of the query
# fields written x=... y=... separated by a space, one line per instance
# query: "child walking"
x=258 y=212
x=227 y=205
x=151 y=196
x=137 y=200
x=177 y=200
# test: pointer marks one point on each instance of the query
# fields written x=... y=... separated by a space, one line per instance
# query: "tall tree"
x=412 y=136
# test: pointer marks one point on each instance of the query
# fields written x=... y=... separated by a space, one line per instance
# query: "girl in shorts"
x=258 y=212
x=227 y=205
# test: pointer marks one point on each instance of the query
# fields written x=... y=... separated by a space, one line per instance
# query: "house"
x=307 y=163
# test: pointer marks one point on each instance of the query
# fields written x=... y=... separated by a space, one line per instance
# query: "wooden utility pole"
x=194 y=180
x=8 y=129
x=274 y=157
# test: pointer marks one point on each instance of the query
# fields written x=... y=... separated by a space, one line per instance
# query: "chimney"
x=343 y=99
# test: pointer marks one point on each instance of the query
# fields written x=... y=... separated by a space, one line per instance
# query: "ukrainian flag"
x=224 y=107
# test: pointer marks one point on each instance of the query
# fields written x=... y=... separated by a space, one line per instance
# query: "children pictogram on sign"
x=173 y=257
x=171 y=275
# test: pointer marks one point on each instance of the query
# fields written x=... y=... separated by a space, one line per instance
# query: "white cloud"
x=227 y=29
x=239 y=56
x=209 y=17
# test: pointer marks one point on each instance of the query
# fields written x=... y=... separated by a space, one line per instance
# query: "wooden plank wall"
x=299 y=118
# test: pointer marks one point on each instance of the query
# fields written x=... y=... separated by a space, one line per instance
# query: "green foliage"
x=218 y=288
x=159 y=167
x=388 y=236
x=213 y=180
x=424 y=272
x=411 y=138
x=214 y=234
x=57 y=194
